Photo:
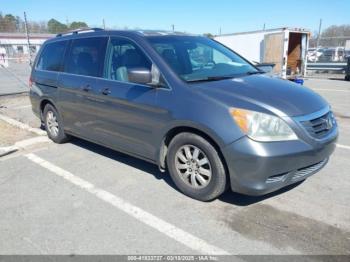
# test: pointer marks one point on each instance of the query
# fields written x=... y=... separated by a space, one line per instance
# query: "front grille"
x=276 y=178
x=298 y=174
x=320 y=126
x=302 y=172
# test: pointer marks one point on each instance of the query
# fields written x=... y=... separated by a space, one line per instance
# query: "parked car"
x=313 y=54
x=185 y=103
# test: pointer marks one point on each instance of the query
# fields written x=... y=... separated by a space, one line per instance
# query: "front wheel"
x=195 y=167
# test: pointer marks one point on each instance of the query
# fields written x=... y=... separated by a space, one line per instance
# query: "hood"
x=282 y=97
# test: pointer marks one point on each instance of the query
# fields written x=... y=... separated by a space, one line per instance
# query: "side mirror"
x=140 y=75
x=265 y=67
x=145 y=76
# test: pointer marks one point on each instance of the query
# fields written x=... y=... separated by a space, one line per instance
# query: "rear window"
x=52 y=56
x=86 y=56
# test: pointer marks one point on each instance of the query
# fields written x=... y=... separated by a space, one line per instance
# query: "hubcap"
x=51 y=123
x=193 y=166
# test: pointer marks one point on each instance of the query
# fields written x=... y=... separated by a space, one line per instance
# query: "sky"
x=192 y=16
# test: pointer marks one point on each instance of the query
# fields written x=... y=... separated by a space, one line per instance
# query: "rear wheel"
x=195 y=167
x=54 y=125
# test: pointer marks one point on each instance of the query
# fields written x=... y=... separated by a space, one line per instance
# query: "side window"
x=86 y=56
x=52 y=56
x=122 y=56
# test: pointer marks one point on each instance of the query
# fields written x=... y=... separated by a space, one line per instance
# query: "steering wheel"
x=210 y=63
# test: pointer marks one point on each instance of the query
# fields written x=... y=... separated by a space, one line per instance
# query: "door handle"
x=86 y=88
x=105 y=91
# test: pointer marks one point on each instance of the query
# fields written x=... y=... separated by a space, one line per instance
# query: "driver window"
x=122 y=56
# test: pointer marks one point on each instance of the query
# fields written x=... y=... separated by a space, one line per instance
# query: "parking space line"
x=21 y=107
x=162 y=226
x=343 y=146
x=325 y=89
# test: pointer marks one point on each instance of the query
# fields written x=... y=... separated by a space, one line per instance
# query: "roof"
x=125 y=32
x=160 y=33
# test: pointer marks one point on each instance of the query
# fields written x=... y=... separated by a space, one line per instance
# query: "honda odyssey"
x=185 y=103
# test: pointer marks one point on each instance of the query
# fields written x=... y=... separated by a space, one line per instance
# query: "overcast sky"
x=194 y=16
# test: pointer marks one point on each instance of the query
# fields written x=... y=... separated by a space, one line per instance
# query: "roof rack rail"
x=80 y=30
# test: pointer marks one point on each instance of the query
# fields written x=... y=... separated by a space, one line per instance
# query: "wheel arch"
x=42 y=105
x=182 y=129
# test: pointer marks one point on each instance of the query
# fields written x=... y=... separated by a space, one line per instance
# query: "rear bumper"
x=259 y=168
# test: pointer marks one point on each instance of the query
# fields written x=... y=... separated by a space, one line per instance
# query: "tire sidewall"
x=61 y=137
x=217 y=183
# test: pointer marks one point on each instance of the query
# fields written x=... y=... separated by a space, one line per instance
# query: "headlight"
x=262 y=127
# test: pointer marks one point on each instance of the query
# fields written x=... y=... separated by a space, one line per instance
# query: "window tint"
x=86 y=56
x=51 y=57
x=124 y=55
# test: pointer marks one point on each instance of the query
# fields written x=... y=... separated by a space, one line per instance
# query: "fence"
x=329 y=59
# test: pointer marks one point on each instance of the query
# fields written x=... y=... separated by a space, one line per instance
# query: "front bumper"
x=258 y=168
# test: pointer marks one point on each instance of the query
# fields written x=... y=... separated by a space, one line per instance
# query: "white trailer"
x=284 y=47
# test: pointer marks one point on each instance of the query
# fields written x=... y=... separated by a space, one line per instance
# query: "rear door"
x=84 y=64
x=273 y=50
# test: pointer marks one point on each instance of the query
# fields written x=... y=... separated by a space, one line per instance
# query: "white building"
x=16 y=44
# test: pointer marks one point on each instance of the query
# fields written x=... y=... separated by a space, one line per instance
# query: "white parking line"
x=162 y=226
x=21 y=107
x=343 y=146
x=325 y=89
x=21 y=125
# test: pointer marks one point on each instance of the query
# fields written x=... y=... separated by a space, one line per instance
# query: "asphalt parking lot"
x=80 y=198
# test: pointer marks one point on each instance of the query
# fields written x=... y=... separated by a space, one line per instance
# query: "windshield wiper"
x=210 y=78
x=255 y=72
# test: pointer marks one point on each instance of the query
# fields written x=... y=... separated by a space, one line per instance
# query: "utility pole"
x=103 y=22
x=319 y=34
x=27 y=34
x=173 y=27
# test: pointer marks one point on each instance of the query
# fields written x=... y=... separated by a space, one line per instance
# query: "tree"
x=76 y=25
x=8 y=23
x=335 y=35
x=55 y=26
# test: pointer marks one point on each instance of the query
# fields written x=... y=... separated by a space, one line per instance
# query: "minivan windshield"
x=196 y=58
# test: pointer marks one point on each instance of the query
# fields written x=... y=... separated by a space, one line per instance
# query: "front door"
x=127 y=113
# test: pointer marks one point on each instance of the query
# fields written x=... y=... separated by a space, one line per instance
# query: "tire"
x=347 y=78
x=182 y=172
x=50 y=116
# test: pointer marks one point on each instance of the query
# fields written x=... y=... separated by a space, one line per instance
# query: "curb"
x=23 y=144
x=7 y=150
x=23 y=126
